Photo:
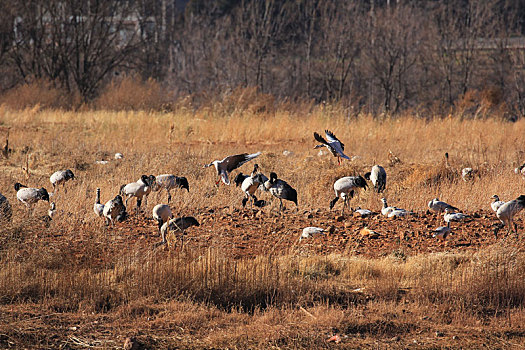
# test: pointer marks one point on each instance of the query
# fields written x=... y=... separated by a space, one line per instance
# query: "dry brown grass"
x=130 y=93
x=39 y=94
x=203 y=298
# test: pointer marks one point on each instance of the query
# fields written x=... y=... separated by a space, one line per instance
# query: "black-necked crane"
x=345 y=188
x=60 y=178
x=162 y=214
x=378 y=178
x=333 y=144
x=98 y=208
x=507 y=212
x=281 y=189
x=438 y=206
x=230 y=163
x=177 y=225
x=496 y=203
x=30 y=196
x=114 y=210
x=169 y=182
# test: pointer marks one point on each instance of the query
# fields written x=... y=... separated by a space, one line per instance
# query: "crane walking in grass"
x=507 y=212
x=281 y=189
x=30 y=196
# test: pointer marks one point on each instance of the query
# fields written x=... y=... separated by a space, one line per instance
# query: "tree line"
x=374 y=55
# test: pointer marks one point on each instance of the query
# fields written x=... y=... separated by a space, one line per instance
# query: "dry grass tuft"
x=131 y=93
x=39 y=94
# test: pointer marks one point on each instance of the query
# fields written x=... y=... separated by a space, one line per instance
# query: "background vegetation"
x=428 y=57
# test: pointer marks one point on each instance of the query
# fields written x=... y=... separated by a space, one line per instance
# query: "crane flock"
x=115 y=210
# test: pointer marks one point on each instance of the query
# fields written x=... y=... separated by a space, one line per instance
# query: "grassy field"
x=78 y=284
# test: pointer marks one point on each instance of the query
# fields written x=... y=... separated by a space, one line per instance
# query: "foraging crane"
x=5 y=209
x=310 y=231
x=115 y=210
x=335 y=146
x=30 y=196
x=281 y=189
x=345 y=187
x=507 y=211
x=136 y=189
x=378 y=177
x=230 y=163
x=496 y=203
x=442 y=232
x=178 y=225
x=169 y=182
x=162 y=213
x=60 y=178
x=439 y=206
x=98 y=208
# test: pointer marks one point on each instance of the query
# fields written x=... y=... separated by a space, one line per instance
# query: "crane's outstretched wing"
x=331 y=138
x=231 y=163
x=320 y=139
x=337 y=145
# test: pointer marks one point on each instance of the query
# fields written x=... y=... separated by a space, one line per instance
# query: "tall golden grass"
x=458 y=288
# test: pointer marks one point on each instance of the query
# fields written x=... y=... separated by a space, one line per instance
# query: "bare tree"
x=392 y=51
x=73 y=42
x=338 y=45
x=258 y=26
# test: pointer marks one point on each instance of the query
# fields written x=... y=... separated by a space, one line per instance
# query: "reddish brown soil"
x=248 y=233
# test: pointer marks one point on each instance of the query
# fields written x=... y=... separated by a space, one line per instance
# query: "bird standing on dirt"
x=345 y=187
x=115 y=210
x=506 y=213
x=250 y=184
x=60 y=178
x=162 y=213
x=230 y=163
x=177 y=225
x=280 y=189
x=335 y=146
x=137 y=189
x=378 y=177
x=30 y=196
x=169 y=182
